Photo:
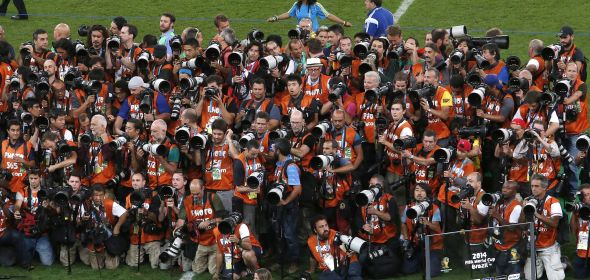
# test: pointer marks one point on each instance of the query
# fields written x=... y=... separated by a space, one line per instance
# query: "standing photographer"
x=245 y=200
x=506 y=211
x=160 y=168
x=214 y=105
x=415 y=230
x=300 y=101
x=17 y=156
x=422 y=163
x=349 y=141
x=473 y=214
x=437 y=107
x=544 y=211
x=100 y=165
x=579 y=226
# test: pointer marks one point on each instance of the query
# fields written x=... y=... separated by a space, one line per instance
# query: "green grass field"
x=522 y=20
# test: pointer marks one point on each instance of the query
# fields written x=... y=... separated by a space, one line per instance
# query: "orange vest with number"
x=157 y=174
x=218 y=158
x=145 y=238
x=320 y=248
x=199 y=212
x=510 y=237
x=547 y=235
x=582 y=227
x=250 y=166
x=17 y=170
x=391 y=134
x=437 y=241
x=320 y=90
x=346 y=146
x=382 y=231
x=103 y=170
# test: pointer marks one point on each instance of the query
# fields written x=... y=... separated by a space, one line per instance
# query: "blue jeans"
x=572 y=171
x=40 y=245
x=581 y=268
x=14 y=239
x=354 y=273
x=289 y=220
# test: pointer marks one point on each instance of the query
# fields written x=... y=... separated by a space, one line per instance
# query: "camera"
x=321 y=162
x=246 y=122
x=82 y=195
x=361 y=50
x=73 y=80
x=280 y=133
x=426 y=92
x=482 y=63
x=444 y=155
x=409 y=178
x=256 y=35
x=121 y=176
x=464 y=192
x=276 y=193
x=582 y=209
x=457 y=57
x=474 y=79
x=5 y=174
x=41 y=81
x=26 y=117
x=298 y=33
x=513 y=63
x=176 y=44
x=503 y=135
x=114 y=43
x=336 y=92
x=86 y=138
x=350 y=243
x=199 y=141
x=530 y=206
x=138 y=197
x=228 y=225
x=502 y=41
x=145 y=106
x=476 y=97
x=255 y=179
x=63 y=148
x=417 y=210
x=408 y=142
x=210 y=92
x=458 y=31
x=42 y=123
x=245 y=138
x=143 y=60
x=396 y=53
x=321 y=129
x=83 y=30
x=583 y=142
x=58 y=195
x=156 y=149
x=166 y=192
x=176 y=107
x=367 y=197
x=81 y=50
x=190 y=83
x=182 y=135
x=197 y=62
x=368 y=63
x=516 y=84
x=213 y=51
x=14 y=82
x=235 y=58
x=344 y=59
x=161 y=85
x=562 y=87
x=478 y=131
x=271 y=61
x=489 y=199
x=529 y=135
x=373 y=96
x=174 y=248
x=551 y=52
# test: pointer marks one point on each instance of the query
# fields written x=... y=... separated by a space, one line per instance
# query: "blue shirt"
x=377 y=22
x=165 y=40
x=161 y=104
x=305 y=11
x=292 y=172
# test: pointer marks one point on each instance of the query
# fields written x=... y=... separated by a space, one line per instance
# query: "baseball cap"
x=564 y=31
x=136 y=82
x=313 y=62
x=464 y=145
x=492 y=80
x=159 y=51
x=519 y=122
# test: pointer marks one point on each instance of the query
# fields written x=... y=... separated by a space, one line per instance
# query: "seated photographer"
x=505 y=211
x=544 y=211
x=11 y=240
x=160 y=167
x=238 y=250
x=100 y=218
x=77 y=204
x=141 y=222
x=335 y=181
x=349 y=141
x=455 y=178
x=245 y=200
x=334 y=260
x=379 y=223
x=31 y=213
x=213 y=104
x=200 y=212
x=218 y=162
x=542 y=154
x=17 y=156
x=297 y=99
x=534 y=109
x=437 y=107
x=579 y=226
x=414 y=230
x=260 y=103
x=421 y=162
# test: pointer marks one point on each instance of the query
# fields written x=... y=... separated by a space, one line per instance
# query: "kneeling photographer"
x=379 y=221
x=579 y=226
x=420 y=218
x=336 y=259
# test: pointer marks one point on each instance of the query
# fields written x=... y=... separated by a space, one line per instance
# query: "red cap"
x=464 y=145
x=519 y=122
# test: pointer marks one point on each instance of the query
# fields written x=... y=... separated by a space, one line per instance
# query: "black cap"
x=564 y=31
x=159 y=51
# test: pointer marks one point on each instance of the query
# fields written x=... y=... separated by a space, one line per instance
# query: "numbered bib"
x=583 y=240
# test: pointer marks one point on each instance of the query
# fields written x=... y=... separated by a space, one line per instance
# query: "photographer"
x=160 y=167
x=301 y=141
x=349 y=141
x=37 y=51
x=437 y=107
x=506 y=211
x=422 y=162
x=545 y=216
x=535 y=109
x=96 y=40
x=31 y=215
x=472 y=215
x=542 y=154
x=379 y=224
x=461 y=109
x=570 y=53
x=300 y=101
x=70 y=217
x=237 y=251
x=99 y=159
x=141 y=220
x=102 y=215
x=245 y=200
x=414 y=232
x=158 y=106
x=400 y=85
x=315 y=84
x=200 y=212
x=536 y=64
x=214 y=105
x=491 y=53
x=260 y=103
x=326 y=251
x=59 y=159
x=17 y=156
x=579 y=227
x=11 y=240
x=121 y=61
x=334 y=189
x=160 y=68
x=57 y=125
x=518 y=167
x=127 y=160
x=190 y=49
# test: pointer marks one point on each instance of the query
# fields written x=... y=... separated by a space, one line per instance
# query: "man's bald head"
x=61 y=31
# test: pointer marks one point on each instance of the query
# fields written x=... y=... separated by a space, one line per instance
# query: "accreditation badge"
x=514 y=256
x=216 y=174
x=582 y=240
x=445 y=265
